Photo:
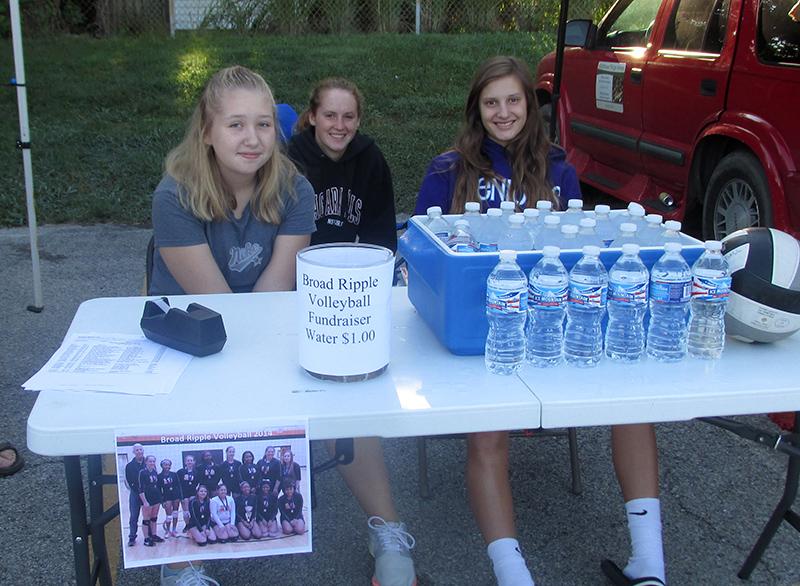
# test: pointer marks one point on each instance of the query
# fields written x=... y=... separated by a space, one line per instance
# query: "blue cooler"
x=449 y=289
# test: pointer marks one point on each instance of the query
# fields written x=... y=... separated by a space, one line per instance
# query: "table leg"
x=97 y=521
x=93 y=529
x=80 y=529
x=782 y=512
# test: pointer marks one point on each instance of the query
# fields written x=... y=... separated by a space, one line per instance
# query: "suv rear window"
x=779 y=31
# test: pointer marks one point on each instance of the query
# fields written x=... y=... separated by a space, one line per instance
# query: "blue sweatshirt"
x=440 y=180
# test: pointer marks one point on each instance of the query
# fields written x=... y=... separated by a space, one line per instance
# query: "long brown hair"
x=315 y=98
x=194 y=165
x=527 y=152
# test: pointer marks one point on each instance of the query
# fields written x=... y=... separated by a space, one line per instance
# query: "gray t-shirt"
x=241 y=247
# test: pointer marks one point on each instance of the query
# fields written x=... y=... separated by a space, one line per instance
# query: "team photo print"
x=213 y=495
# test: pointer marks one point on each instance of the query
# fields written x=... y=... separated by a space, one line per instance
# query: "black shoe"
x=131 y=541
x=156 y=538
x=615 y=575
x=148 y=542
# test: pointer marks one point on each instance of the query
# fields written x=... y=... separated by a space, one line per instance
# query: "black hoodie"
x=353 y=196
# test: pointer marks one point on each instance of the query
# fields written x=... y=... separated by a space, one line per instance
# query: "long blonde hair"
x=194 y=164
x=527 y=151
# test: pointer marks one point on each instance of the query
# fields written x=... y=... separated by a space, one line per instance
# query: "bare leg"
x=273 y=530
x=367 y=479
x=488 y=486
x=489 y=492
x=635 y=455
x=199 y=537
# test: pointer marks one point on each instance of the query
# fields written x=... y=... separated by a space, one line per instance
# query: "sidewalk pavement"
x=717 y=490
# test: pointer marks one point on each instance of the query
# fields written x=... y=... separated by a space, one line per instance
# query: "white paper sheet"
x=112 y=363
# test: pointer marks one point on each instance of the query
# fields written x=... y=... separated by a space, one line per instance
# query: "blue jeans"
x=135 y=505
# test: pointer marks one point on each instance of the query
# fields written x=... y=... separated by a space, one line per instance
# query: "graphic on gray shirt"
x=241 y=258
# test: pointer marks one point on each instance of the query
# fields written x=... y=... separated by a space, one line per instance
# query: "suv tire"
x=737 y=196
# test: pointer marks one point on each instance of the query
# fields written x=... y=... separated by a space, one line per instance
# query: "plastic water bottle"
x=672 y=232
x=550 y=234
x=670 y=292
x=437 y=224
x=587 y=234
x=461 y=239
x=506 y=310
x=491 y=231
x=569 y=237
x=711 y=287
x=622 y=217
x=574 y=213
x=516 y=237
x=532 y=223
x=548 y=289
x=637 y=214
x=604 y=225
x=545 y=208
x=628 y=282
x=508 y=208
x=588 y=290
x=472 y=214
x=627 y=234
x=650 y=235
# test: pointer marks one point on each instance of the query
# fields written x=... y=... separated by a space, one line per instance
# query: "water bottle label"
x=488 y=247
x=627 y=293
x=664 y=292
x=711 y=288
x=443 y=236
x=461 y=247
x=543 y=296
x=592 y=296
x=498 y=301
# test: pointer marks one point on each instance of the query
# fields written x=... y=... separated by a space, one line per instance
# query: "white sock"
x=647 y=550
x=509 y=565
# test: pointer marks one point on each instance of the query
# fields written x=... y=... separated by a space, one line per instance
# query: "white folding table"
x=425 y=391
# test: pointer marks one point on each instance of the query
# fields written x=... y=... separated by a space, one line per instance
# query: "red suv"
x=687 y=107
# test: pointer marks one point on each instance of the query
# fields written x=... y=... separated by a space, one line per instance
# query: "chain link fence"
x=296 y=17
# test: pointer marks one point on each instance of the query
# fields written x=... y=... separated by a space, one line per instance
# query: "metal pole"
x=417 y=17
x=25 y=144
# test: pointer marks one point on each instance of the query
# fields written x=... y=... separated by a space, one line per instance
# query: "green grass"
x=104 y=113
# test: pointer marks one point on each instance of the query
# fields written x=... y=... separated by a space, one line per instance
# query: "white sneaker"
x=391 y=546
x=189 y=576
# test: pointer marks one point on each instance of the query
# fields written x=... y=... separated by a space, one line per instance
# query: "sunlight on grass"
x=195 y=69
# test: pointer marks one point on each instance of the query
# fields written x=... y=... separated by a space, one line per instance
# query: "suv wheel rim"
x=737 y=208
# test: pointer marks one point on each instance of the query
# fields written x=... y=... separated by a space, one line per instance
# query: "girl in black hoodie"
x=354 y=198
x=351 y=180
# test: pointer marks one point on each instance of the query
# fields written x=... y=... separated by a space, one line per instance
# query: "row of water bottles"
x=503 y=229
x=526 y=315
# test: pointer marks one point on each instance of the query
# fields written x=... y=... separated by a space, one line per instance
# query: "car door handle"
x=636 y=75
x=708 y=87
